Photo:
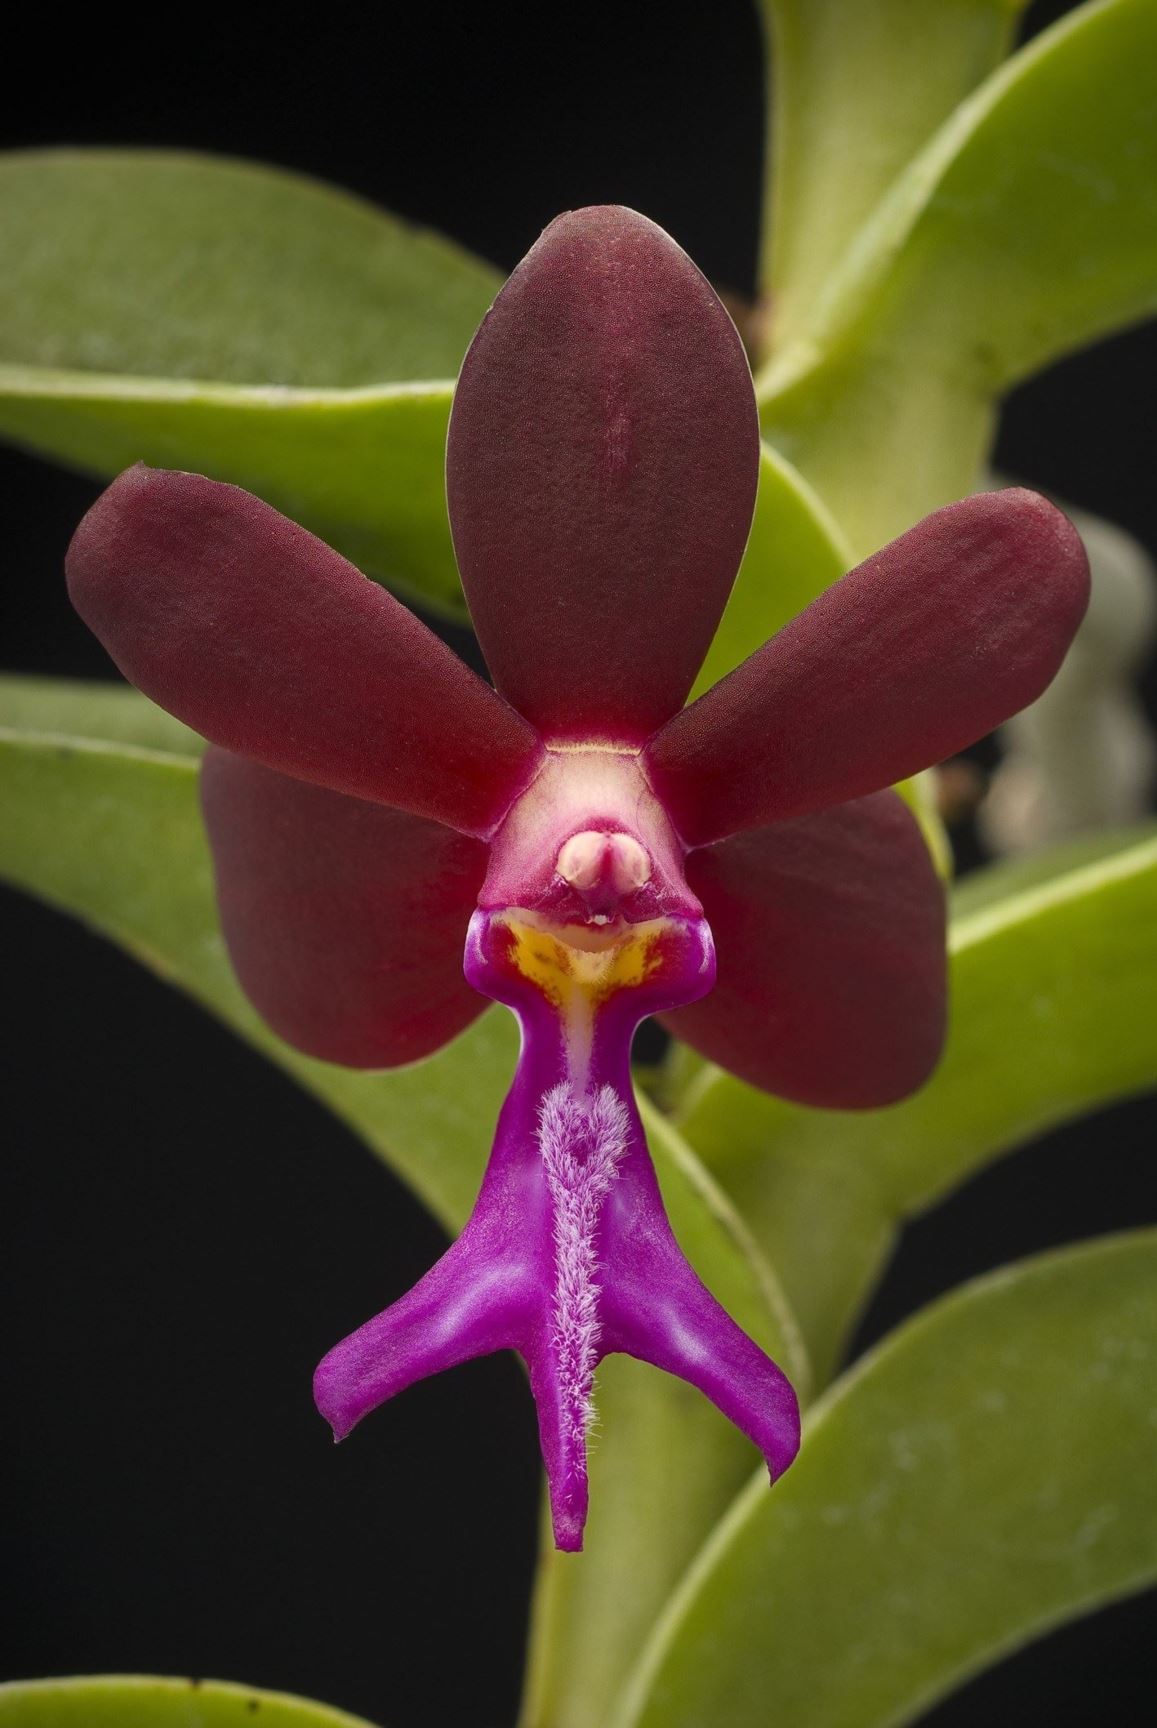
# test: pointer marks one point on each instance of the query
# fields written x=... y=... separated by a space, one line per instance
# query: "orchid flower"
x=737 y=867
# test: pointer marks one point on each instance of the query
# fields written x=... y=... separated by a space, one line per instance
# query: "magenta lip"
x=568 y=1254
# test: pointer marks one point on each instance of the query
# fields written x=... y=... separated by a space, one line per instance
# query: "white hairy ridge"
x=582 y=1143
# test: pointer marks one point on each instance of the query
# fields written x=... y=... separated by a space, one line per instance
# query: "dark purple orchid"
x=605 y=853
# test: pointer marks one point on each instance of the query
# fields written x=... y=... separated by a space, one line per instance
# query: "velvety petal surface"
x=830 y=947
x=910 y=657
x=345 y=920
x=266 y=641
x=601 y=473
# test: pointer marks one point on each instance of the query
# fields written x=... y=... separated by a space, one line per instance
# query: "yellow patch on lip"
x=578 y=970
x=578 y=966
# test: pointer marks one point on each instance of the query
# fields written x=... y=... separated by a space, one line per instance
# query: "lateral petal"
x=830 y=948
x=267 y=642
x=912 y=656
x=345 y=920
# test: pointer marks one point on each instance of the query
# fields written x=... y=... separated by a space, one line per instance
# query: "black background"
x=183 y=1232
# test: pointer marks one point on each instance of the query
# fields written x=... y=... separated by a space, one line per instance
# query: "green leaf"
x=140 y=1701
x=1026 y=228
x=882 y=437
x=361 y=468
x=1053 y=1014
x=719 y=1245
x=162 y=265
x=108 y=713
x=794 y=552
x=245 y=322
x=856 y=91
x=985 y=1475
x=1029 y=226
x=821 y=1215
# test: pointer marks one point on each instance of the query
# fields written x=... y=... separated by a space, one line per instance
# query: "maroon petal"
x=912 y=656
x=267 y=642
x=829 y=939
x=345 y=921
x=601 y=473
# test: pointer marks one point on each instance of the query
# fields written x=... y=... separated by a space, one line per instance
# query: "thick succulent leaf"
x=157 y=264
x=794 y=552
x=141 y=1701
x=243 y=322
x=1025 y=229
x=361 y=468
x=857 y=91
x=78 y=709
x=743 y=1279
x=1053 y=994
x=987 y=1474
x=883 y=438
x=659 y=1444
x=1030 y=226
